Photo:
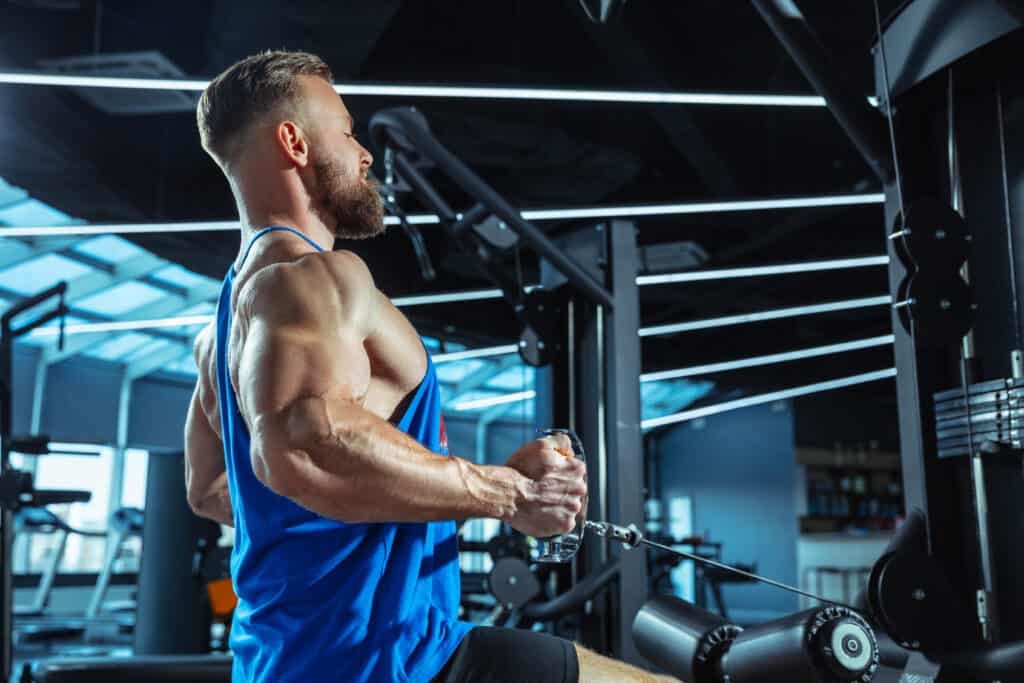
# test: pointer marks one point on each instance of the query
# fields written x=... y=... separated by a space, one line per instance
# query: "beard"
x=349 y=206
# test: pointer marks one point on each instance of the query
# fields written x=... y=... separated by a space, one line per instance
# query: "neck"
x=264 y=201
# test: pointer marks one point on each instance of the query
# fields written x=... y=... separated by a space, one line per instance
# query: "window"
x=680 y=525
x=133 y=495
x=84 y=472
x=94 y=473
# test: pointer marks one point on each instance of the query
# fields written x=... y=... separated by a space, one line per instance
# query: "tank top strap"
x=276 y=228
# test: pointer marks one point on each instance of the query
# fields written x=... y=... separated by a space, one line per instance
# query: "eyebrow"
x=351 y=121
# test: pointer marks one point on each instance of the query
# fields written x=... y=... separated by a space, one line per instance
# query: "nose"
x=365 y=158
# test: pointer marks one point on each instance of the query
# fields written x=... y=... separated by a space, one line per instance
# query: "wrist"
x=497 y=491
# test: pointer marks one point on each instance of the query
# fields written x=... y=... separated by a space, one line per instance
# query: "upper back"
x=329 y=298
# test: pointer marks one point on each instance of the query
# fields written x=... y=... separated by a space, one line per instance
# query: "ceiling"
x=103 y=167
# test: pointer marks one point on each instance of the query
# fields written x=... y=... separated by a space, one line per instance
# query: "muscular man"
x=315 y=428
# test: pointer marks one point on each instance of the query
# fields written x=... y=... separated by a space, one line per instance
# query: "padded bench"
x=154 y=669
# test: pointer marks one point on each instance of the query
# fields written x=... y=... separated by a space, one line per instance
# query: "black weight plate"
x=978 y=388
x=512 y=582
x=940 y=308
x=935 y=237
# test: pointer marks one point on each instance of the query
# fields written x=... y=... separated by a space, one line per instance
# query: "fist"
x=545 y=456
x=555 y=490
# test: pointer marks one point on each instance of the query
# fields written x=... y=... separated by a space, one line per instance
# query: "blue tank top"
x=321 y=600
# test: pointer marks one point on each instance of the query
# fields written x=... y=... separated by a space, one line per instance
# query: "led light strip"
x=475 y=353
x=76 y=448
x=472 y=295
x=446 y=91
x=768 y=398
x=495 y=400
x=704 y=207
x=189 y=320
x=755 y=361
x=123 y=325
x=759 y=271
x=764 y=315
x=625 y=211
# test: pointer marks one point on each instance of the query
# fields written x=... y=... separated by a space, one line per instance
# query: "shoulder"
x=312 y=285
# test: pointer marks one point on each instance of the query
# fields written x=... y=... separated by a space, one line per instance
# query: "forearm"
x=360 y=468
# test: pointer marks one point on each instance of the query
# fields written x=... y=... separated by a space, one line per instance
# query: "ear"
x=293 y=142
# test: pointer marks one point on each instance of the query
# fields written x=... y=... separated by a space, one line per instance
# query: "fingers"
x=554 y=491
x=561 y=443
x=560 y=520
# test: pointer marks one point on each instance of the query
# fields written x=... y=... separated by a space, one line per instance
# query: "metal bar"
x=572 y=213
x=755 y=361
x=621 y=423
x=29 y=302
x=422 y=188
x=761 y=271
x=409 y=124
x=775 y=314
x=856 y=118
x=455 y=92
x=769 y=398
x=7 y=337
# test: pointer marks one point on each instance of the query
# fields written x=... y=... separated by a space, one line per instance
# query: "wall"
x=156 y=418
x=80 y=403
x=738 y=468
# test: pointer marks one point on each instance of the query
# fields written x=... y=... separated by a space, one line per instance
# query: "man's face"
x=341 y=194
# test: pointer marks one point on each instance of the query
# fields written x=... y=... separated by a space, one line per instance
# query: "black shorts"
x=508 y=655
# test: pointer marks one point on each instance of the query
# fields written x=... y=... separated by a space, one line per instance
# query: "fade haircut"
x=247 y=91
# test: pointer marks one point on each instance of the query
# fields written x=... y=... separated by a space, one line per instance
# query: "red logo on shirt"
x=444 y=437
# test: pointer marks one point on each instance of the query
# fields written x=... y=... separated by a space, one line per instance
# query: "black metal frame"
x=16 y=487
x=863 y=126
x=583 y=321
x=941 y=66
x=405 y=130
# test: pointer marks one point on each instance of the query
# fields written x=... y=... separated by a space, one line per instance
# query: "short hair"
x=247 y=90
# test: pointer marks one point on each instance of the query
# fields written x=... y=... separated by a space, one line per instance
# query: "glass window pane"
x=109 y=249
x=119 y=346
x=513 y=379
x=120 y=299
x=180 y=277
x=91 y=473
x=32 y=212
x=39 y=273
x=133 y=495
x=133 y=481
x=458 y=370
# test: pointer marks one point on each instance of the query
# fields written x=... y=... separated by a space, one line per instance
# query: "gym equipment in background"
x=125 y=523
x=43 y=627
